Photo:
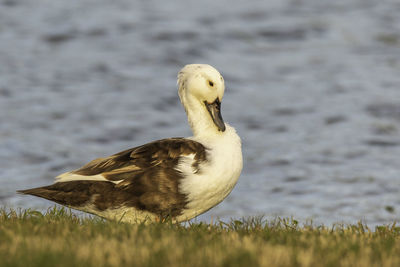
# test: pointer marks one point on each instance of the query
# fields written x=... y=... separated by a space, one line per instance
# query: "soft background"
x=313 y=88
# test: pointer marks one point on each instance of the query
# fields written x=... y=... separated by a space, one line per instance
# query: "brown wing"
x=150 y=181
x=164 y=153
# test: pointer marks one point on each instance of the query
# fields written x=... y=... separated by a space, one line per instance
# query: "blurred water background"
x=313 y=88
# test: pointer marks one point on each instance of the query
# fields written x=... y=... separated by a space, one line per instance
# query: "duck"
x=173 y=179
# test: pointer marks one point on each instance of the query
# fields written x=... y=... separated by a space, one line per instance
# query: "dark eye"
x=211 y=83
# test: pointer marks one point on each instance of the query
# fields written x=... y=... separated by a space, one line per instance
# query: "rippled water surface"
x=313 y=88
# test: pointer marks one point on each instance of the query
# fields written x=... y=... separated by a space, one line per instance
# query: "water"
x=313 y=88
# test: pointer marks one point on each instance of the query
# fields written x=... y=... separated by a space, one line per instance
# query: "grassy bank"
x=59 y=238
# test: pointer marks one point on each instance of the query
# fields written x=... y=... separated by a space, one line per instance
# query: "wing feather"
x=143 y=177
x=163 y=153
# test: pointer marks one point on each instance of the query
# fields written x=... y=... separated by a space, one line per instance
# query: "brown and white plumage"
x=177 y=178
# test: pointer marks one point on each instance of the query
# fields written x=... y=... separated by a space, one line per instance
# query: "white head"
x=201 y=88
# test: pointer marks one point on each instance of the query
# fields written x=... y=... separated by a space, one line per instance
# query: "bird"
x=173 y=179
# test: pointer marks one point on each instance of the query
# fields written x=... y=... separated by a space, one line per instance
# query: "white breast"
x=217 y=176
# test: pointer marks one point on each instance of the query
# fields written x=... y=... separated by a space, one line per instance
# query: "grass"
x=60 y=238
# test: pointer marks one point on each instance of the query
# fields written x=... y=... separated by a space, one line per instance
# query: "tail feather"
x=70 y=193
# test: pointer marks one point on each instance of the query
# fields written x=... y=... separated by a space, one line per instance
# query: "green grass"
x=60 y=238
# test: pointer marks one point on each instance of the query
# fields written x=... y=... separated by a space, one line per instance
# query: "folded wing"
x=144 y=178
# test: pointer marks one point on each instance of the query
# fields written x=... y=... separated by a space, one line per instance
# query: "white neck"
x=199 y=118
